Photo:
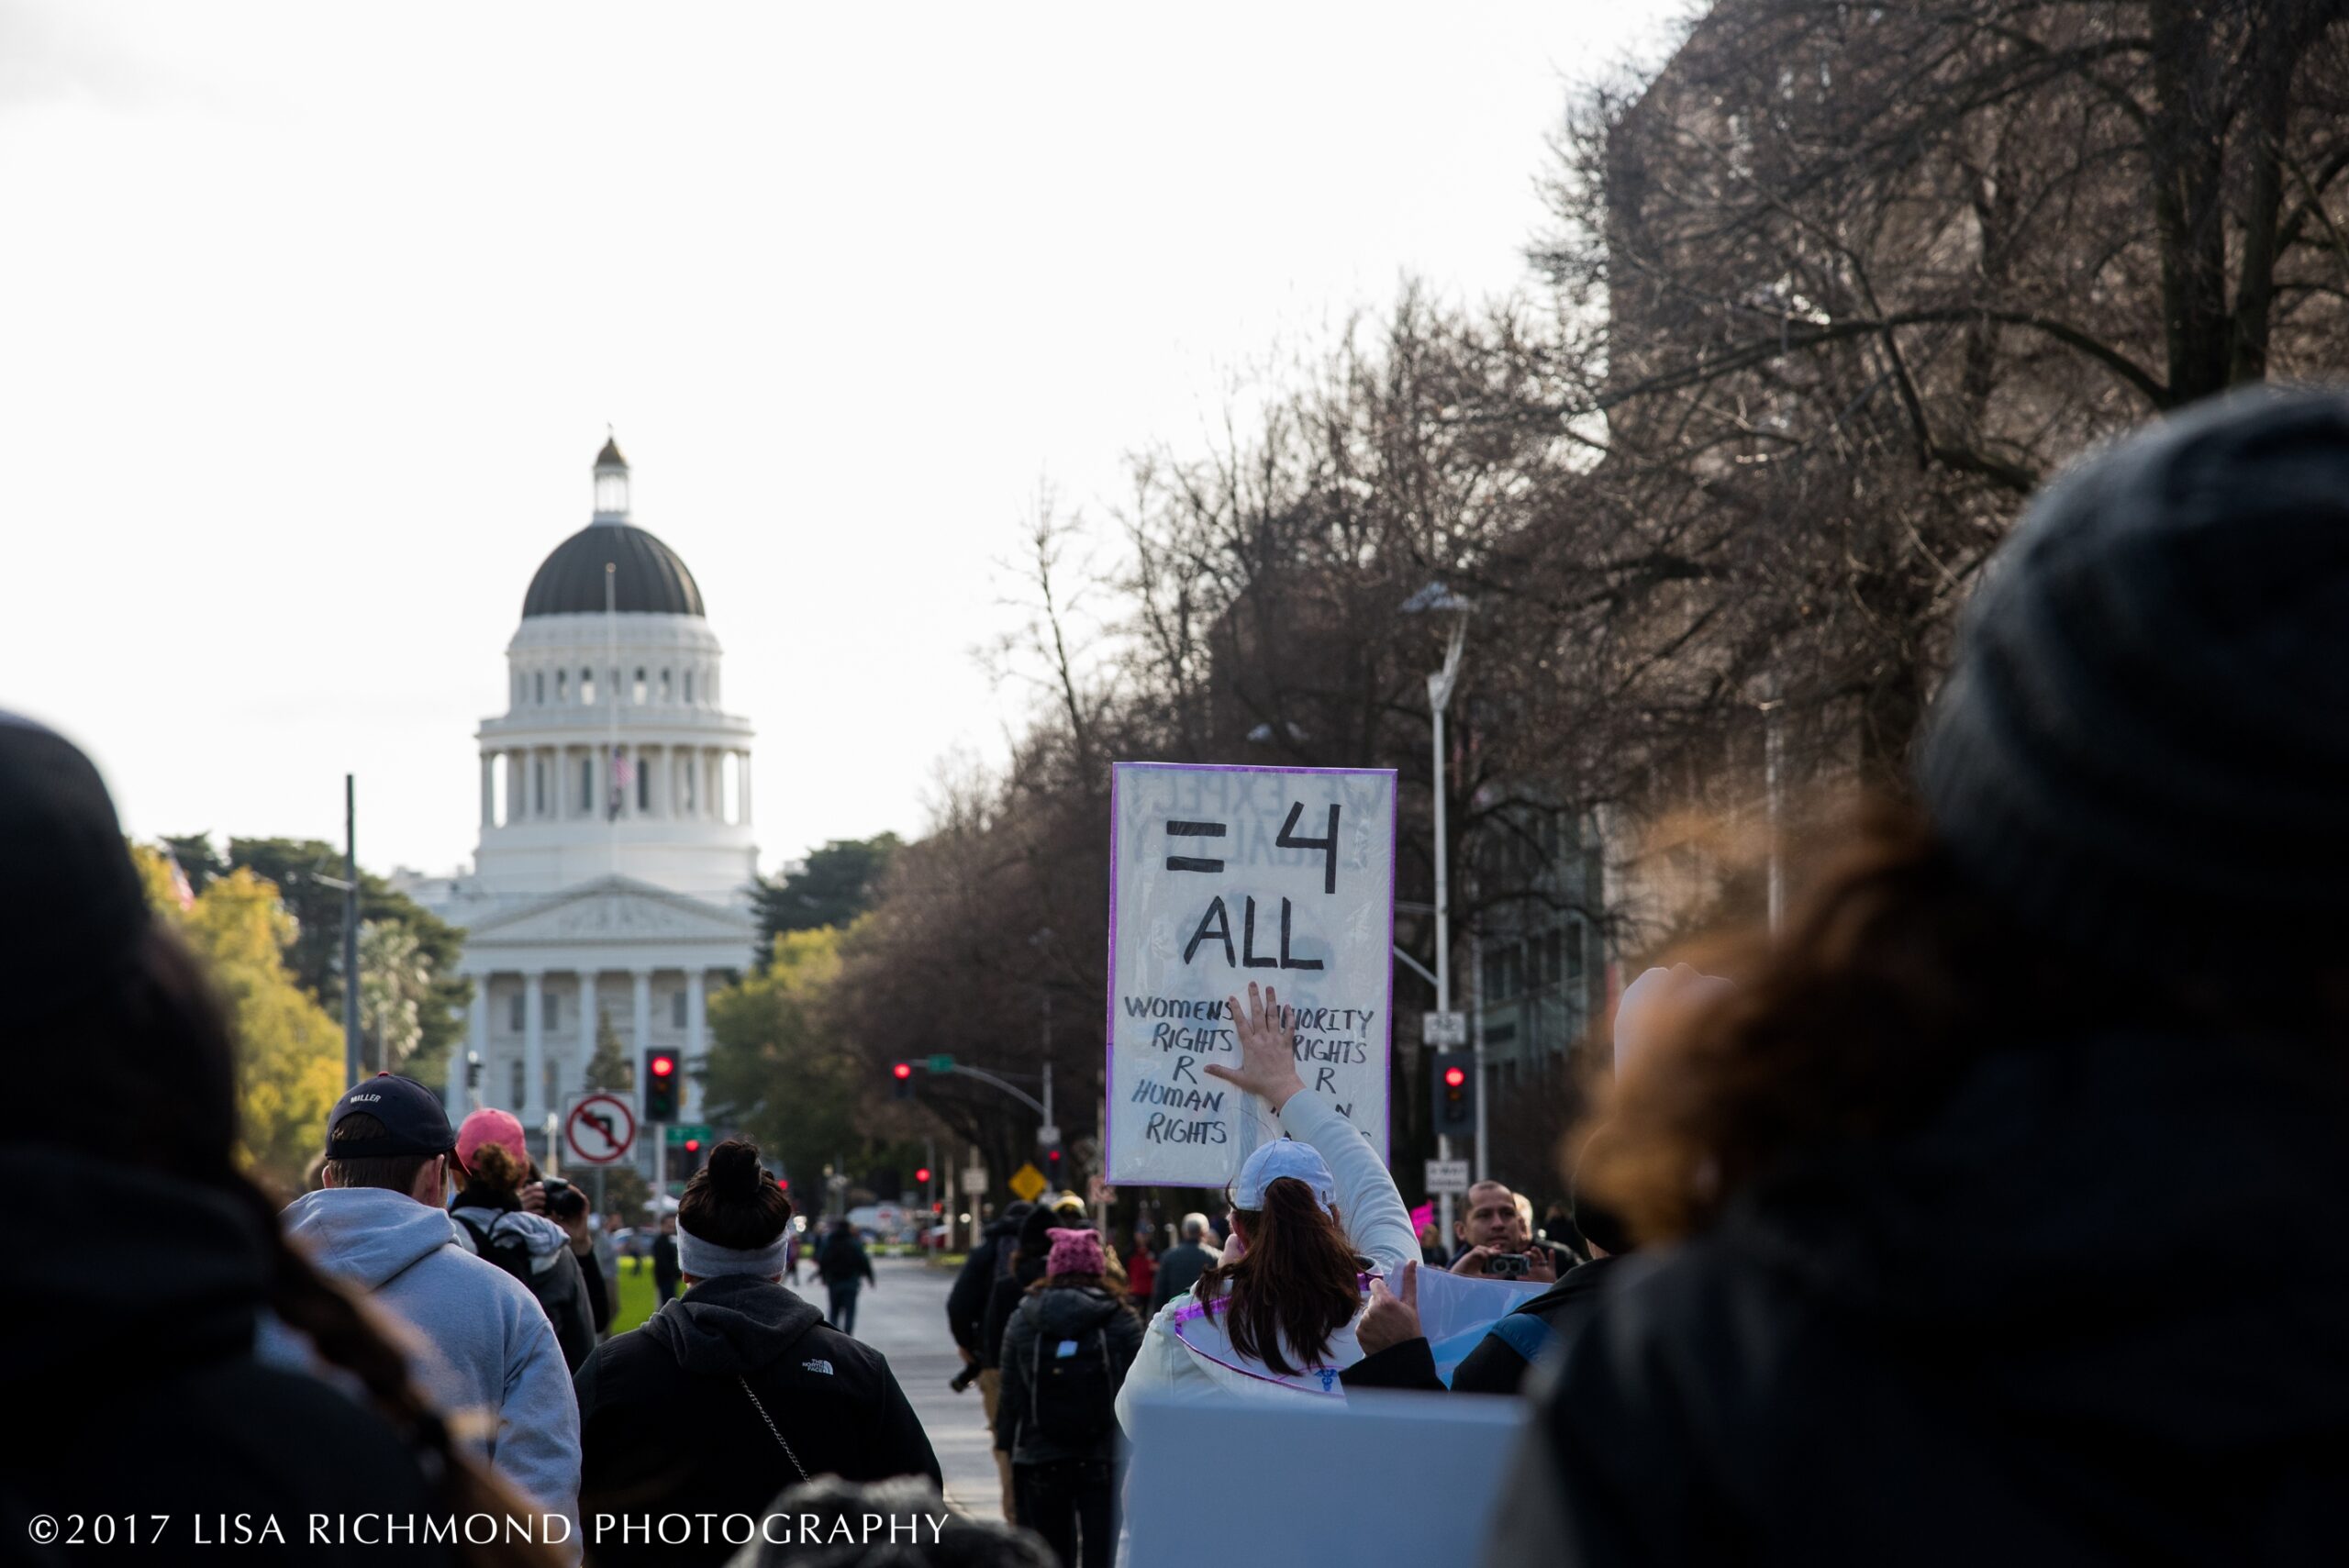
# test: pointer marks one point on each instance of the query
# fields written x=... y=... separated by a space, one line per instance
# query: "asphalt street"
x=903 y=1316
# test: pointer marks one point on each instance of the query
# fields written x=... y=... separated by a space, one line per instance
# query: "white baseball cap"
x=1282 y=1157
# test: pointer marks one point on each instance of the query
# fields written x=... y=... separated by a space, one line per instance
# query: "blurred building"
x=613 y=875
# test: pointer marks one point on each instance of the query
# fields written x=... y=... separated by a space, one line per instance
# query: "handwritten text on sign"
x=1221 y=875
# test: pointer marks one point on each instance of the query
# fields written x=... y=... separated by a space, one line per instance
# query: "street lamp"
x=1437 y=599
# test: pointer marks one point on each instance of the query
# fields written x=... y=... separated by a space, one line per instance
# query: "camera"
x=554 y=1185
x=1506 y=1265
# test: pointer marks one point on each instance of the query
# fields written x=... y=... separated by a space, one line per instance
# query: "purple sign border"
x=1109 y=1019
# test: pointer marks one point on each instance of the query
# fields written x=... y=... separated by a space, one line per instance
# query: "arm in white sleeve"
x=1372 y=1210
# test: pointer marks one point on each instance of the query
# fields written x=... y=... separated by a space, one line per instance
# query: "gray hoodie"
x=487 y=1345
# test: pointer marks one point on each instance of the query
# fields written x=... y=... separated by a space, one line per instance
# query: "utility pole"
x=1440 y=687
x=351 y=1064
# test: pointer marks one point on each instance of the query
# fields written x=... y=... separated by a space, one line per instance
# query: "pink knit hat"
x=487 y=1126
x=1074 y=1252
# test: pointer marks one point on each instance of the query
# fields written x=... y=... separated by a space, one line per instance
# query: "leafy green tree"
x=289 y=1051
x=609 y=1068
x=776 y=1070
x=832 y=888
x=395 y=991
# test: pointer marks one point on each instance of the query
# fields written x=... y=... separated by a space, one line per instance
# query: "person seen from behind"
x=1927 y=1168
x=845 y=1268
x=1180 y=1266
x=736 y=1389
x=500 y=1216
x=1065 y=1355
x=966 y=1317
x=379 y=1228
x=1313 y=1212
x=567 y=1206
x=132 y=1347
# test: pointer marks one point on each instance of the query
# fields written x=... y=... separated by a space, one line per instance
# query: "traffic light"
x=689 y=1161
x=1052 y=1163
x=660 y=1077
x=922 y=1176
x=1455 y=1093
x=903 y=1089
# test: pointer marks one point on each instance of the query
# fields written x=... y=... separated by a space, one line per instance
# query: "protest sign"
x=1219 y=876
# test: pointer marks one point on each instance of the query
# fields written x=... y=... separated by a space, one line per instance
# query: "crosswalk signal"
x=1455 y=1093
x=903 y=1089
x=661 y=1085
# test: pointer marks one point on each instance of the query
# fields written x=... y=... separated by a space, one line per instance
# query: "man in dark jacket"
x=845 y=1268
x=966 y=1319
x=1180 y=1266
x=735 y=1391
x=665 y=1273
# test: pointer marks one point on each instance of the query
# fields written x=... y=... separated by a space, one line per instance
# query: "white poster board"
x=1219 y=876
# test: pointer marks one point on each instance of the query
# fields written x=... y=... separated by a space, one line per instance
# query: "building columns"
x=742 y=772
x=696 y=1042
x=533 y=1110
x=576 y=1079
x=489 y=789
x=643 y=1014
x=460 y=1096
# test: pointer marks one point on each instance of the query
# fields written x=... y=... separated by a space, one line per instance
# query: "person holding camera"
x=1497 y=1243
x=501 y=1218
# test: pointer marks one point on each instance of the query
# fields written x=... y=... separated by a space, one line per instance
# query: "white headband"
x=708 y=1260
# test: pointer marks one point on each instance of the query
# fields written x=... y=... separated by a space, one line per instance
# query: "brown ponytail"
x=1296 y=1283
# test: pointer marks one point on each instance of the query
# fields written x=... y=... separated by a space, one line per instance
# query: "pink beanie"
x=486 y=1126
x=1074 y=1252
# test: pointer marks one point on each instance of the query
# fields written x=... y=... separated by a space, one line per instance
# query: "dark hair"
x=1895 y=974
x=732 y=1201
x=157 y=1074
x=1036 y=1229
x=1591 y=1216
x=397 y=1172
x=494 y=1169
x=1296 y=1283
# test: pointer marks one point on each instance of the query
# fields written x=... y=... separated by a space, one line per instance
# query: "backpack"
x=510 y=1253
x=1071 y=1401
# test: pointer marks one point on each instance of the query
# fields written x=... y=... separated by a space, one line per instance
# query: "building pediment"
x=615 y=909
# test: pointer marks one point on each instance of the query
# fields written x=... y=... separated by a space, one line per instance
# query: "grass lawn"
x=636 y=1302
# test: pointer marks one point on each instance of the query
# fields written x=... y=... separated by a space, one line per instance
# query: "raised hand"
x=1267 y=1049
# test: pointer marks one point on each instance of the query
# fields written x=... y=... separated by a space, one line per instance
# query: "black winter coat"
x=128 y=1368
x=2091 y=1311
x=1003 y=1300
x=841 y=1260
x=1045 y=1317
x=665 y=1425
x=1179 y=1268
x=966 y=1304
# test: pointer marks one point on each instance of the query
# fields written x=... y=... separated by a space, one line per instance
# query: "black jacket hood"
x=734 y=1323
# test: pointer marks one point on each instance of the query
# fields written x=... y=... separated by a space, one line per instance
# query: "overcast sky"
x=312 y=317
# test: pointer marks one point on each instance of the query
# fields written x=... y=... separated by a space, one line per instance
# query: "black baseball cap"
x=414 y=1122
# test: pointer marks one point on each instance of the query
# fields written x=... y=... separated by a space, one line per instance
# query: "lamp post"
x=1435 y=598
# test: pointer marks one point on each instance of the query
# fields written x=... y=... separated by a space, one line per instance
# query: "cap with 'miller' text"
x=413 y=1122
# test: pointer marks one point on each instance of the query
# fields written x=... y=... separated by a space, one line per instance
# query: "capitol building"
x=616 y=860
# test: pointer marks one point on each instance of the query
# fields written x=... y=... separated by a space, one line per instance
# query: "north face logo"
x=823 y=1366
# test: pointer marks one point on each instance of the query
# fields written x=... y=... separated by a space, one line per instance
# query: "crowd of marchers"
x=1977 y=1214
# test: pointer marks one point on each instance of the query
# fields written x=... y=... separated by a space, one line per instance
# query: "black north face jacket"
x=666 y=1425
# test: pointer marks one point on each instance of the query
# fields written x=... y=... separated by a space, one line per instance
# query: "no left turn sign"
x=599 y=1129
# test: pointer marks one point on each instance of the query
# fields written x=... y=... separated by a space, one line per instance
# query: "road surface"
x=903 y=1316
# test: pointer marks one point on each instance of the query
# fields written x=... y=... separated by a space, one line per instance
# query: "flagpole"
x=612 y=710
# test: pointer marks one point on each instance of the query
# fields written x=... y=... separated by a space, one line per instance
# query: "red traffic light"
x=1052 y=1157
x=692 y=1145
x=922 y=1174
x=663 y=1064
x=1454 y=1077
x=782 y=1184
x=904 y=1069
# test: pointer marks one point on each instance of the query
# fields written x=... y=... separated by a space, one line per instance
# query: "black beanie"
x=2142 y=748
x=72 y=912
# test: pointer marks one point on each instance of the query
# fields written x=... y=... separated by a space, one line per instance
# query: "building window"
x=562 y=686
x=587 y=688
x=677 y=1010
x=515 y=1012
x=539 y=688
x=515 y=1098
x=641 y=690
x=1575 y=956
x=689 y=687
x=643 y=784
x=586 y=785
x=1552 y=943
x=664 y=686
x=689 y=770
x=538 y=786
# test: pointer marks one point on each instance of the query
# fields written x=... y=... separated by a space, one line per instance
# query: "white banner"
x=1219 y=876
